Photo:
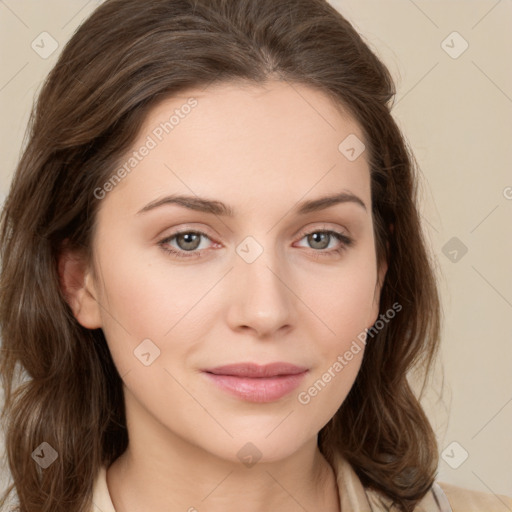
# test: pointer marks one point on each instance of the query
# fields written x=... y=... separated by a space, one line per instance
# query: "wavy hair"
x=60 y=383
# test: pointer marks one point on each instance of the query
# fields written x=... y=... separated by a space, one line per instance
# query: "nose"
x=262 y=301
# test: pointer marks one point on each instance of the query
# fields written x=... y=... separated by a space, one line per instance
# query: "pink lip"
x=255 y=383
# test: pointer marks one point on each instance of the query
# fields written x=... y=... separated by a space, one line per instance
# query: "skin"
x=261 y=150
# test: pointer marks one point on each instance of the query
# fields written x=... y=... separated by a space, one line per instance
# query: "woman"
x=213 y=272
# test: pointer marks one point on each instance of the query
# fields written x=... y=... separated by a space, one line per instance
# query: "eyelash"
x=346 y=242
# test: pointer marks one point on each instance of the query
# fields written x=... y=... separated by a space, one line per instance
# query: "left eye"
x=318 y=239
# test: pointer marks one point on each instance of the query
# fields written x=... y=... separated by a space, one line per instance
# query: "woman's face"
x=269 y=283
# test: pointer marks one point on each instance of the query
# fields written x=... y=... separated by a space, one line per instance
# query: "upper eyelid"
x=322 y=226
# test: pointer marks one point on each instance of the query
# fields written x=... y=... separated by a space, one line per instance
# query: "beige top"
x=355 y=498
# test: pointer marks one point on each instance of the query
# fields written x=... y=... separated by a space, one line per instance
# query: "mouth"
x=257 y=383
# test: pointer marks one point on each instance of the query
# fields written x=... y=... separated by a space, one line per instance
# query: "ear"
x=77 y=285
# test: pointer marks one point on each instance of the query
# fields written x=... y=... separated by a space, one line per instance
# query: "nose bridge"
x=262 y=300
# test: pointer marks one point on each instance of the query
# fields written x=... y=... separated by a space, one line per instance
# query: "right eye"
x=187 y=241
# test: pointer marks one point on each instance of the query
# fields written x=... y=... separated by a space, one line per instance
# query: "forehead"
x=246 y=144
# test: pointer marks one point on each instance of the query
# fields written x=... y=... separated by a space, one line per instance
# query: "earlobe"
x=77 y=286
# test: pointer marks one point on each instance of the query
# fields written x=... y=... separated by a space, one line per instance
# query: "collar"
x=356 y=498
x=101 y=497
x=353 y=496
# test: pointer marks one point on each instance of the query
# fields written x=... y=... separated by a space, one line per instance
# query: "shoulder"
x=443 y=497
x=467 y=500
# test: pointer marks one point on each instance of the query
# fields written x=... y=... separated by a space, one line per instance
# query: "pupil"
x=190 y=238
x=317 y=238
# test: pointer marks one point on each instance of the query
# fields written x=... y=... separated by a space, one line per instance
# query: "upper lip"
x=253 y=370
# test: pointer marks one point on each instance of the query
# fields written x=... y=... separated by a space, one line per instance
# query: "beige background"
x=456 y=114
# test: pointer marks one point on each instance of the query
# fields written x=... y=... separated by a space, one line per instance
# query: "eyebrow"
x=218 y=208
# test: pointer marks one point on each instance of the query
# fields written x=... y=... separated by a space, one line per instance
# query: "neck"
x=177 y=475
x=162 y=470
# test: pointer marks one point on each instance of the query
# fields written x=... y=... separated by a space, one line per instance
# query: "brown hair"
x=123 y=60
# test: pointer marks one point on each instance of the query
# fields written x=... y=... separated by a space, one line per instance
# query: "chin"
x=259 y=447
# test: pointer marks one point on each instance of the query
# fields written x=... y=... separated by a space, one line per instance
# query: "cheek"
x=148 y=298
x=157 y=301
x=343 y=299
x=344 y=303
x=346 y=311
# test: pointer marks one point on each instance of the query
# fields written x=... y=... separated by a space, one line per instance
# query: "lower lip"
x=260 y=390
